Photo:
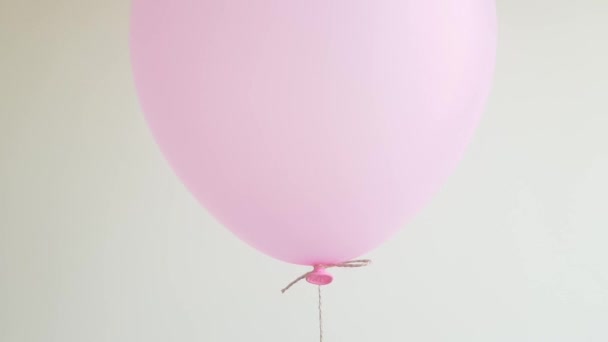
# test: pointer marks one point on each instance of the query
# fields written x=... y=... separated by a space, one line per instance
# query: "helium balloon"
x=314 y=130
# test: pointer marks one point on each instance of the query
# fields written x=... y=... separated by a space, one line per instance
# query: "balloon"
x=313 y=130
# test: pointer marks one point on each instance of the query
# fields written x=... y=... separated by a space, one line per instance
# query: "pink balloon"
x=314 y=130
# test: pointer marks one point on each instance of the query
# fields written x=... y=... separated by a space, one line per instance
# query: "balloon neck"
x=319 y=276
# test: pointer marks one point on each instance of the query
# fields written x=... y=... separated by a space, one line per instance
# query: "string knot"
x=319 y=276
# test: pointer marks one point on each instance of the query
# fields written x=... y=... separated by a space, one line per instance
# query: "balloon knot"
x=319 y=275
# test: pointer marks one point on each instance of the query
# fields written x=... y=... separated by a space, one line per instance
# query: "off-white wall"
x=100 y=242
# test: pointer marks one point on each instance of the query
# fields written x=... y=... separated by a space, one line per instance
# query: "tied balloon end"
x=319 y=275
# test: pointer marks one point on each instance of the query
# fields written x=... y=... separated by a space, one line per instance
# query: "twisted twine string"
x=346 y=264
x=320 y=317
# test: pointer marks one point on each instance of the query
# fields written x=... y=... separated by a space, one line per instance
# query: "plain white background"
x=99 y=241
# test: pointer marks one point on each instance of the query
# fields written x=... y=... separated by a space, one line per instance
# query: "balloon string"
x=346 y=264
x=320 y=317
